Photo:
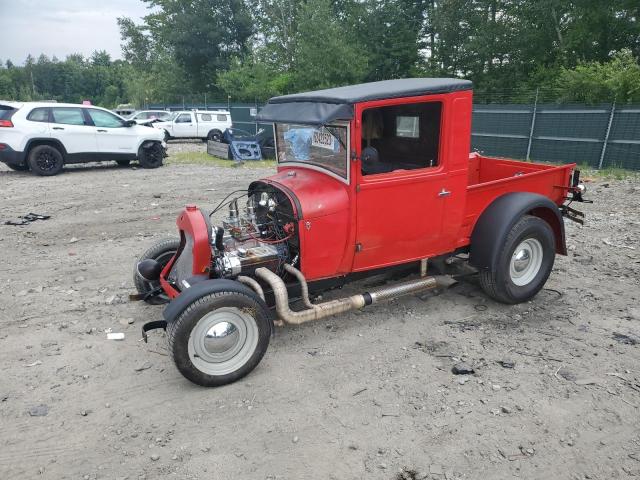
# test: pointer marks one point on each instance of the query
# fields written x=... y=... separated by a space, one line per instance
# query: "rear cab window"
x=221 y=118
x=205 y=117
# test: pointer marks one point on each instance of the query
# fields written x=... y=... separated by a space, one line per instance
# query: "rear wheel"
x=220 y=338
x=17 y=168
x=161 y=252
x=45 y=160
x=151 y=156
x=215 y=135
x=524 y=263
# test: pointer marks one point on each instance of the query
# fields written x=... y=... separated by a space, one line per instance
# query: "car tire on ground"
x=161 y=252
x=214 y=135
x=45 y=160
x=152 y=156
x=220 y=338
x=18 y=168
x=524 y=262
x=123 y=163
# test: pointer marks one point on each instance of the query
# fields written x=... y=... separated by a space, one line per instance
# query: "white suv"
x=205 y=124
x=43 y=137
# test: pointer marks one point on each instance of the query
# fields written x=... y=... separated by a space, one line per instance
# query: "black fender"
x=494 y=224
x=44 y=141
x=202 y=288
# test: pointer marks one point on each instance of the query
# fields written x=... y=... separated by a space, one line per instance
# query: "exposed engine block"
x=255 y=237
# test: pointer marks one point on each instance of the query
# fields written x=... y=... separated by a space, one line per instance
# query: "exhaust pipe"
x=332 y=307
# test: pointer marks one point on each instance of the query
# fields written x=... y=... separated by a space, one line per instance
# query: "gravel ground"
x=366 y=395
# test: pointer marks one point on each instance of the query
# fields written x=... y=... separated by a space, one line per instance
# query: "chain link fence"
x=537 y=125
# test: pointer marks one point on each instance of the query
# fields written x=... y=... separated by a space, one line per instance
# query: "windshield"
x=324 y=147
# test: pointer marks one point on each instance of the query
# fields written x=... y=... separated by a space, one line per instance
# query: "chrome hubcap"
x=525 y=262
x=223 y=341
x=221 y=337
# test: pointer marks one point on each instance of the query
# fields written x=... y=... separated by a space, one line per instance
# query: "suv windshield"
x=324 y=147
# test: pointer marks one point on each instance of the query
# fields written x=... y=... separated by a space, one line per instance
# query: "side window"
x=205 y=117
x=400 y=137
x=67 y=115
x=39 y=115
x=221 y=118
x=184 y=118
x=104 y=119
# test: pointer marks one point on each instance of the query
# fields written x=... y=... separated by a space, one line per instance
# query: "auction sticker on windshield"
x=322 y=139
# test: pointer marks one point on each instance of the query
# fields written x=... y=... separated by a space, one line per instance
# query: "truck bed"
x=490 y=178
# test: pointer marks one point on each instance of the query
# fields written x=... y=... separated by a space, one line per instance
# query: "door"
x=68 y=124
x=401 y=185
x=112 y=133
x=185 y=126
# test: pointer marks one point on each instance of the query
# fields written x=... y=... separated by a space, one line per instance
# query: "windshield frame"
x=312 y=166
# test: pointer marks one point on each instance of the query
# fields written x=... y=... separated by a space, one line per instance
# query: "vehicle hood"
x=317 y=193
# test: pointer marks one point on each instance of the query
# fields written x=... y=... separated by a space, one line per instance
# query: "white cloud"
x=62 y=27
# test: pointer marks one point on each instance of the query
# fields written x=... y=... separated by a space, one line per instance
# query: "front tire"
x=524 y=262
x=220 y=338
x=45 y=160
x=161 y=252
x=152 y=156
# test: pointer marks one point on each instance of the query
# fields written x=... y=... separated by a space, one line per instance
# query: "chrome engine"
x=252 y=238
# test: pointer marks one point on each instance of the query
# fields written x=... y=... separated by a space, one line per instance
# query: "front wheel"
x=151 y=156
x=220 y=338
x=161 y=252
x=524 y=263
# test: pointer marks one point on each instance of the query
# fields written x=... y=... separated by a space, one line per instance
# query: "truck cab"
x=371 y=178
x=204 y=124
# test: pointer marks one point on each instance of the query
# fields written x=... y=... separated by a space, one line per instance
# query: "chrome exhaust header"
x=332 y=307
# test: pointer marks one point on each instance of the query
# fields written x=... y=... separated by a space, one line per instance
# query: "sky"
x=62 y=27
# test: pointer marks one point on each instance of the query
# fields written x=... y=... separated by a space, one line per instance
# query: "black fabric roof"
x=324 y=106
x=363 y=92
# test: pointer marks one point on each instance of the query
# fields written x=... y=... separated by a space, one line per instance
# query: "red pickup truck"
x=371 y=178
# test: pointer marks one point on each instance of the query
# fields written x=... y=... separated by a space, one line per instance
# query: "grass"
x=203 y=158
x=616 y=173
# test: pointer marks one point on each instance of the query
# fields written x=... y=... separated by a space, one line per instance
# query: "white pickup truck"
x=205 y=124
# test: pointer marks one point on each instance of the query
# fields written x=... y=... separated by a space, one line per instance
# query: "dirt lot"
x=359 y=396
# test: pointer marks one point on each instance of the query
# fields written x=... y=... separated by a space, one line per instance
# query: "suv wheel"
x=151 y=157
x=17 y=168
x=45 y=160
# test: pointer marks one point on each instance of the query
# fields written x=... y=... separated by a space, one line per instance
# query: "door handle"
x=444 y=193
x=102 y=131
x=58 y=128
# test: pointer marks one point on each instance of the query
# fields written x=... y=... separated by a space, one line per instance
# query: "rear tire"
x=45 y=160
x=524 y=263
x=161 y=252
x=151 y=157
x=17 y=168
x=214 y=135
x=219 y=338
